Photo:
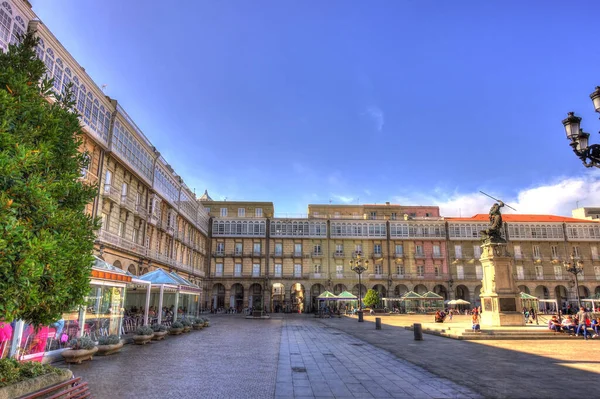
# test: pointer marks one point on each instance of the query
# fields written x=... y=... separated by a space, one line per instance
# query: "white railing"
x=121 y=242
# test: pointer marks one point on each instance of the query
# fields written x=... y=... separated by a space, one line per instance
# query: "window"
x=479 y=271
x=256 y=270
x=18 y=30
x=400 y=270
x=317 y=249
x=419 y=250
x=558 y=272
x=258 y=212
x=278 y=248
x=336 y=215
x=339 y=249
x=420 y=270
x=297 y=270
x=460 y=272
x=121 y=232
x=239 y=248
x=399 y=250
x=437 y=251
x=378 y=269
x=220 y=248
x=394 y=216
x=219 y=270
x=207 y=210
x=237 y=270
x=135 y=236
x=458 y=252
x=297 y=249
x=241 y=212
x=594 y=250
x=256 y=248
x=554 y=249
x=597 y=272
x=576 y=251
x=539 y=272
x=358 y=249
x=377 y=250
x=339 y=270
x=49 y=61
x=317 y=269
x=520 y=272
x=107 y=181
x=476 y=251
x=373 y=215
x=223 y=212
x=58 y=75
x=277 y=269
x=518 y=254
x=427 y=214
x=104 y=221
x=536 y=252
x=124 y=190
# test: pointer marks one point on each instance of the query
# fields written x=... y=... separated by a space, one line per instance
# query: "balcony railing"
x=317 y=254
x=170 y=230
x=238 y=253
x=376 y=276
x=120 y=242
x=89 y=178
x=297 y=254
x=318 y=275
x=155 y=219
x=377 y=255
x=437 y=256
x=127 y=203
x=111 y=192
x=218 y=253
x=337 y=254
x=419 y=255
x=141 y=210
x=399 y=255
x=278 y=254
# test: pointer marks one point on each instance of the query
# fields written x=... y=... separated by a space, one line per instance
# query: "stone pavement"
x=294 y=356
x=497 y=369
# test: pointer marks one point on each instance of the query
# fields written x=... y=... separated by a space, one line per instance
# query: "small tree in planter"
x=371 y=299
x=187 y=325
x=160 y=331
x=176 y=328
x=143 y=335
x=206 y=321
x=82 y=348
x=109 y=345
x=198 y=323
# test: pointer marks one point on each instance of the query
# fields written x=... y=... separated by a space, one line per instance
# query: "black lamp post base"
x=360 y=316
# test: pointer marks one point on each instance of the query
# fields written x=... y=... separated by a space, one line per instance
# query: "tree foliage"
x=46 y=239
x=371 y=298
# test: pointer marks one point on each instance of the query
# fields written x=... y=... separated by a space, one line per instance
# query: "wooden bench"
x=74 y=388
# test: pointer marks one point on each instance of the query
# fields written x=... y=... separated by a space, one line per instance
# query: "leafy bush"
x=198 y=320
x=144 y=330
x=110 y=340
x=11 y=371
x=159 y=328
x=186 y=323
x=82 y=343
x=176 y=324
x=371 y=299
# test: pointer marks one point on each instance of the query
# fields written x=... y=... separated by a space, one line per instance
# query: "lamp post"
x=575 y=268
x=359 y=265
x=450 y=283
x=589 y=154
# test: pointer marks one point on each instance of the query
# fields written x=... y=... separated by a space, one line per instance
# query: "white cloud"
x=342 y=198
x=558 y=197
x=376 y=114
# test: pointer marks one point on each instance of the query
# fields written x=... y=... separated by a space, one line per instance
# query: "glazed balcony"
x=121 y=243
x=111 y=192
x=141 y=211
x=127 y=203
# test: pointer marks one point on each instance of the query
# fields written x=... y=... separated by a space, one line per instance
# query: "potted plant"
x=109 y=345
x=160 y=331
x=23 y=378
x=206 y=321
x=198 y=323
x=187 y=325
x=176 y=328
x=143 y=335
x=82 y=348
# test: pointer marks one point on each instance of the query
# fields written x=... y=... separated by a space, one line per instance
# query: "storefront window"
x=188 y=304
x=104 y=311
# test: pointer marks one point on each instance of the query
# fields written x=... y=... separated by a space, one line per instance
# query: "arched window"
x=75 y=89
x=18 y=30
x=87 y=113
x=58 y=75
x=49 y=61
x=66 y=79
x=95 y=106
x=5 y=23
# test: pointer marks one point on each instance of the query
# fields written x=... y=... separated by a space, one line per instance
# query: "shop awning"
x=411 y=295
x=345 y=295
x=185 y=285
x=431 y=295
x=525 y=295
x=326 y=295
x=105 y=271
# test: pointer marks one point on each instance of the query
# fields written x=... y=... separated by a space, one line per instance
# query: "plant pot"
x=78 y=355
x=159 y=335
x=198 y=326
x=187 y=329
x=175 y=331
x=206 y=324
x=32 y=385
x=142 y=339
x=105 y=350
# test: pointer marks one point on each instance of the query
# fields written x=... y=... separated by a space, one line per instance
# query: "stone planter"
x=198 y=326
x=78 y=355
x=34 y=384
x=175 y=331
x=105 y=350
x=206 y=324
x=187 y=329
x=142 y=339
x=159 y=335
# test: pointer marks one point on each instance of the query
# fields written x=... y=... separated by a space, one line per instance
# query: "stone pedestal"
x=500 y=298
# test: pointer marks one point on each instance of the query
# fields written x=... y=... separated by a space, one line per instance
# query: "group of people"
x=530 y=316
x=576 y=325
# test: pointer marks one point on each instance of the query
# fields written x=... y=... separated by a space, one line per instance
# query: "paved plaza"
x=298 y=356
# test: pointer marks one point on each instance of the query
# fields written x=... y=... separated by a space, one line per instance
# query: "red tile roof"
x=484 y=217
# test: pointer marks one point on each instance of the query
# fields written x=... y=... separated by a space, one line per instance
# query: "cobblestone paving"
x=233 y=358
x=316 y=361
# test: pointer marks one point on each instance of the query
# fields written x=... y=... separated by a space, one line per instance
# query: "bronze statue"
x=493 y=234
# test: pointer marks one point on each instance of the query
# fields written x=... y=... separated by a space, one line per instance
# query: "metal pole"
x=359 y=291
x=577 y=289
x=160 y=303
x=147 y=309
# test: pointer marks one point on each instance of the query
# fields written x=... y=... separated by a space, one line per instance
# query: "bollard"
x=378 y=323
x=360 y=316
x=418 y=332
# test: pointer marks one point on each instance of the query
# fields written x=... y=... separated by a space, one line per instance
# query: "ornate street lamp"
x=359 y=265
x=575 y=268
x=450 y=283
x=579 y=139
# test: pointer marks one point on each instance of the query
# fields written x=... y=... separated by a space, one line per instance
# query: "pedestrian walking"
x=533 y=317
x=583 y=316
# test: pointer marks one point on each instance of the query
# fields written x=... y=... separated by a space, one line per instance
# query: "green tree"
x=371 y=298
x=46 y=239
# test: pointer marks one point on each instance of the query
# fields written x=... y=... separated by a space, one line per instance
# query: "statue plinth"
x=500 y=298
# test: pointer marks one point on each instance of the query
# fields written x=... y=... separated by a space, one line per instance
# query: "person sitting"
x=476 y=327
x=438 y=317
x=568 y=325
x=554 y=324
x=595 y=324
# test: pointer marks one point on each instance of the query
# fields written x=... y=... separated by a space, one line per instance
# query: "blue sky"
x=298 y=102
